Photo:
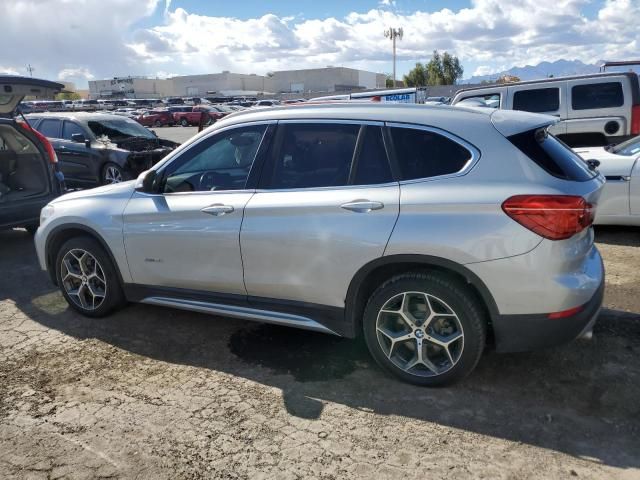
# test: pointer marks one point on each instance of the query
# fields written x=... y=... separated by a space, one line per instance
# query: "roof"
x=82 y=116
x=446 y=117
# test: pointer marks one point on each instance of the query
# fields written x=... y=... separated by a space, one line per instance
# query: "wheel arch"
x=374 y=273
x=61 y=234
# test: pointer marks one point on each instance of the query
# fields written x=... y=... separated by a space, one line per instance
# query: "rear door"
x=326 y=206
x=76 y=158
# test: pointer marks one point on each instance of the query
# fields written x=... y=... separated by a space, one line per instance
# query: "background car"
x=29 y=173
x=194 y=114
x=620 y=164
x=100 y=148
x=427 y=230
x=155 y=118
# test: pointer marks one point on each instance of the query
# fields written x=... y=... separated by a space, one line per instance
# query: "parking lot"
x=160 y=393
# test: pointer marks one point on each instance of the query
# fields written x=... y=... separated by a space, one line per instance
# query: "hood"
x=14 y=88
x=512 y=122
x=116 y=189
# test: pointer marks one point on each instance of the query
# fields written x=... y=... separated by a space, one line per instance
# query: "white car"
x=620 y=200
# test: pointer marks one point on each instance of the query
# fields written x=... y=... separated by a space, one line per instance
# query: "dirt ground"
x=153 y=393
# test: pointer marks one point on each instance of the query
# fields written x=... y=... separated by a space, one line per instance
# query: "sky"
x=81 y=40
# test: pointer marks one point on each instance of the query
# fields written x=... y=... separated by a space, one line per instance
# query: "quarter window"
x=597 y=95
x=424 y=154
x=537 y=100
x=50 y=128
x=312 y=155
x=222 y=162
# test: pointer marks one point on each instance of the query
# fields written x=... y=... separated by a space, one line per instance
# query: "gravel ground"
x=156 y=393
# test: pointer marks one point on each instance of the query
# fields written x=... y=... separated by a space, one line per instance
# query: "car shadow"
x=618 y=235
x=576 y=399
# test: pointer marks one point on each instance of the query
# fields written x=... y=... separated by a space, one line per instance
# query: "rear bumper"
x=520 y=333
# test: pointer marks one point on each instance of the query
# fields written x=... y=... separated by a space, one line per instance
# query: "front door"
x=76 y=158
x=187 y=235
x=326 y=205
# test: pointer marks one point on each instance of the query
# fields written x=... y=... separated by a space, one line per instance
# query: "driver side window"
x=222 y=162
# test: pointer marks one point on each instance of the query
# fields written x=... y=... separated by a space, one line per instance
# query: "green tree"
x=451 y=69
x=388 y=82
x=417 y=77
x=442 y=69
x=68 y=96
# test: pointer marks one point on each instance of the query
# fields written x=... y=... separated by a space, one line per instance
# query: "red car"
x=155 y=118
x=193 y=117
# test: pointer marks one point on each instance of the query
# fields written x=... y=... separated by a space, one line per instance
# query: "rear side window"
x=597 y=95
x=313 y=155
x=371 y=164
x=537 y=100
x=552 y=155
x=50 y=128
x=424 y=154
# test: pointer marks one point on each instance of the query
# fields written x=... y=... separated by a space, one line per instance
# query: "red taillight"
x=555 y=217
x=51 y=153
x=635 y=120
x=565 y=313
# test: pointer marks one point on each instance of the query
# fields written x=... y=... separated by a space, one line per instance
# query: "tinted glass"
x=552 y=155
x=220 y=163
x=70 y=128
x=50 y=128
x=491 y=100
x=424 y=154
x=628 y=148
x=597 y=95
x=538 y=100
x=314 y=155
x=372 y=165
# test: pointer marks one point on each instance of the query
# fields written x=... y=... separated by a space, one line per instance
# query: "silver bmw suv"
x=431 y=231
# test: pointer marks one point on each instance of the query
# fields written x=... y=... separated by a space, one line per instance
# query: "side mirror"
x=146 y=180
x=78 y=137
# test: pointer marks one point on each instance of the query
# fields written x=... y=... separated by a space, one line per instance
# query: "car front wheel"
x=87 y=277
x=425 y=328
x=184 y=122
x=112 y=173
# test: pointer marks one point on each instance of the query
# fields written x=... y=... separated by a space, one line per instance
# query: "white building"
x=316 y=80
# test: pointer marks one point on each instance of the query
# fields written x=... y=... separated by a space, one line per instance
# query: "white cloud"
x=72 y=73
x=102 y=39
x=8 y=71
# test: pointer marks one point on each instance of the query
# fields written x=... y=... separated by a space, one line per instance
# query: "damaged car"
x=99 y=148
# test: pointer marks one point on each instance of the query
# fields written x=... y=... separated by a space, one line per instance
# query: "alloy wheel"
x=83 y=279
x=420 y=334
x=112 y=175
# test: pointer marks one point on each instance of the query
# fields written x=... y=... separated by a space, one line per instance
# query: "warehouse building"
x=316 y=80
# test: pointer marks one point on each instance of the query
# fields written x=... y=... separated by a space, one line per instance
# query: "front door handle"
x=217 y=209
x=362 y=206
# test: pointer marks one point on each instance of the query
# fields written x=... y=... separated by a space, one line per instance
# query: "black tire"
x=184 y=122
x=113 y=295
x=157 y=123
x=112 y=167
x=470 y=314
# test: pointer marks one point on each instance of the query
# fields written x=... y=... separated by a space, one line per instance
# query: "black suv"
x=100 y=148
x=29 y=175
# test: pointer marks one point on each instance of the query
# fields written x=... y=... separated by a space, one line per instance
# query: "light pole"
x=394 y=33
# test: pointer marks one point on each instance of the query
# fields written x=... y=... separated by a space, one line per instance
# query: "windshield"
x=119 y=129
x=628 y=148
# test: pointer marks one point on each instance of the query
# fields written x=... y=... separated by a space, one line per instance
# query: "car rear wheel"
x=112 y=173
x=157 y=123
x=425 y=328
x=184 y=122
x=87 y=277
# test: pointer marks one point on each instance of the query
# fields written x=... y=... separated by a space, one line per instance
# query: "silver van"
x=595 y=109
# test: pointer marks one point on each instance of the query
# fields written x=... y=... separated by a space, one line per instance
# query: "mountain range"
x=559 y=68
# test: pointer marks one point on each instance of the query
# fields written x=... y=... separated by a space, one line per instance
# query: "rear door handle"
x=362 y=206
x=217 y=209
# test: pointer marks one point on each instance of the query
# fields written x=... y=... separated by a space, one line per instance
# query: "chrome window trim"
x=473 y=160
x=333 y=121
